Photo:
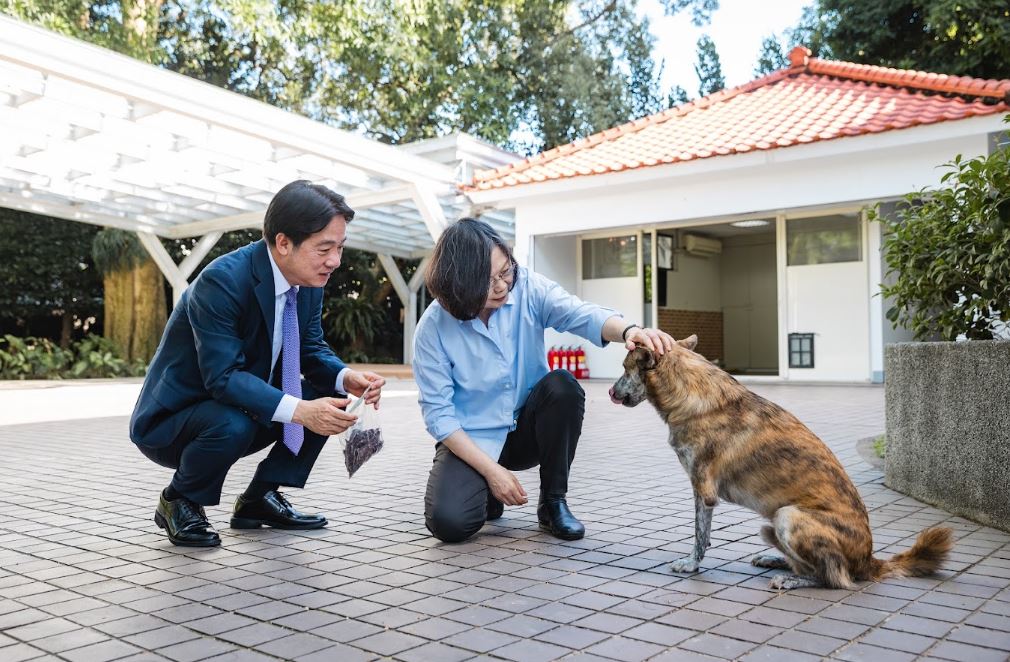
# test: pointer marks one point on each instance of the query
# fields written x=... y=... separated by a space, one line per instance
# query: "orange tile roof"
x=811 y=100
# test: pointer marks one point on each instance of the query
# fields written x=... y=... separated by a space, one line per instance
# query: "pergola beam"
x=196 y=255
x=165 y=263
x=430 y=209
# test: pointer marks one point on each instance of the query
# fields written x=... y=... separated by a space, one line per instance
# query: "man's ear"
x=689 y=343
x=644 y=358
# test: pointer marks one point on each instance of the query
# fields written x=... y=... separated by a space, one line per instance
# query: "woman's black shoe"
x=495 y=508
x=556 y=519
x=185 y=523
x=272 y=509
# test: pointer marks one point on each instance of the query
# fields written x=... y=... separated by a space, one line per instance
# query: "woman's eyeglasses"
x=507 y=275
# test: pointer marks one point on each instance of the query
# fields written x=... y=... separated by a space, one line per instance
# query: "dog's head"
x=631 y=388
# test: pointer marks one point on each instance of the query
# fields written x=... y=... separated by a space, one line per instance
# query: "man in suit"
x=226 y=381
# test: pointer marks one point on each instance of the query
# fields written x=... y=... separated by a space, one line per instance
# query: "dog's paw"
x=788 y=582
x=686 y=564
x=769 y=561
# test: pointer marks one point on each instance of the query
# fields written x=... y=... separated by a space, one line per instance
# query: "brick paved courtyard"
x=85 y=575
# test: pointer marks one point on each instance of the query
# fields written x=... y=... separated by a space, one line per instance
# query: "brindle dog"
x=737 y=446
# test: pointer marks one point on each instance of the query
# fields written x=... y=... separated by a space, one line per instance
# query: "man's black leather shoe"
x=556 y=519
x=185 y=523
x=495 y=508
x=272 y=509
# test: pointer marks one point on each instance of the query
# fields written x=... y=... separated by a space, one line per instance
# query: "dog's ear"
x=689 y=343
x=644 y=358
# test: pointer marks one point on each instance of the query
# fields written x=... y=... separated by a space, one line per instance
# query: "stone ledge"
x=948 y=426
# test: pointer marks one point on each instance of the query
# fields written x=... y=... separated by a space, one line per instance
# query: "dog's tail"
x=924 y=558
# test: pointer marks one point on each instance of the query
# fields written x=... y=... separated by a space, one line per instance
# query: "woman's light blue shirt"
x=477 y=378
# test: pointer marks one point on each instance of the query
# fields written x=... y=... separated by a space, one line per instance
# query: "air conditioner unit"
x=701 y=246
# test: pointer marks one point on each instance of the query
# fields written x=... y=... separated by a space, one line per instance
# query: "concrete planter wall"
x=948 y=426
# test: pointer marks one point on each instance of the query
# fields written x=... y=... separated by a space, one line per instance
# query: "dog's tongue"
x=613 y=398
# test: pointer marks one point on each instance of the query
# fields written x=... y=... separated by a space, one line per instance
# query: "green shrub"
x=40 y=358
x=950 y=251
x=32 y=358
x=98 y=357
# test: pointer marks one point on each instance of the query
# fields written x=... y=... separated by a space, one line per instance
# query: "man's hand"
x=355 y=382
x=505 y=486
x=323 y=415
x=652 y=339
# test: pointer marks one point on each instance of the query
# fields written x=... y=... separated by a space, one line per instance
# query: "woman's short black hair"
x=459 y=273
x=301 y=209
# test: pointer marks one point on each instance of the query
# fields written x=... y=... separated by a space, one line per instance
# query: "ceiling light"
x=756 y=223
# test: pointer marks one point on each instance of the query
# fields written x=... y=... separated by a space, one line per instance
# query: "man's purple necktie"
x=291 y=368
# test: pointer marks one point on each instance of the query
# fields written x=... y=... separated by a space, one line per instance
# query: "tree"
x=943 y=36
x=771 y=58
x=708 y=67
x=135 y=304
x=527 y=75
x=47 y=273
x=950 y=251
x=677 y=96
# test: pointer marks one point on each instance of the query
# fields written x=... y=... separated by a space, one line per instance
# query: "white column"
x=408 y=296
x=780 y=277
x=410 y=311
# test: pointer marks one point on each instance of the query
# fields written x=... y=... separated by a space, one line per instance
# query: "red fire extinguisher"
x=563 y=352
x=552 y=358
x=581 y=372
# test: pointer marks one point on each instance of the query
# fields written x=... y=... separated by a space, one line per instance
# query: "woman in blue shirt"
x=485 y=390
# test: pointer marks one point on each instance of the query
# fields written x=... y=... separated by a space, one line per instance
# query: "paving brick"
x=774 y=654
x=717 y=646
x=867 y=652
x=626 y=650
x=433 y=652
x=480 y=640
x=808 y=642
x=953 y=650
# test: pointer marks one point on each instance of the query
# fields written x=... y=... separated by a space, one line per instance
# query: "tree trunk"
x=66 y=329
x=135 y=310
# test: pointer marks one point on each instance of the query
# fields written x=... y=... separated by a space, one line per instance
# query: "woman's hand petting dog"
x=653 y=340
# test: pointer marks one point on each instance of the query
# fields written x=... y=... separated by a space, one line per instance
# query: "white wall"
x=750 y=302
x=830 y=301
x=695 y=283
x=621 y=295
x=556 y=258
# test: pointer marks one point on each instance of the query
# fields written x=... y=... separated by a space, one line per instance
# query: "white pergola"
x=90 y=135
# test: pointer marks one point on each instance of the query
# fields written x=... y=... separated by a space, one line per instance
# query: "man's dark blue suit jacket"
x=218 y=345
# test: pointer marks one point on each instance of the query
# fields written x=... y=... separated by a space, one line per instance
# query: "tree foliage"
x=708 y=67
x=962 y=37
x=46 y=271
x=771 y=58
x=526 y=75
x=949 y=249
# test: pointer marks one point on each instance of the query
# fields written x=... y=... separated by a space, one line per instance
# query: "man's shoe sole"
x=563 y=536
x=159 y=519
x=250 y=523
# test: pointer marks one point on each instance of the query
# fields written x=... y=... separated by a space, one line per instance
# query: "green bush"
x=950 y=251
x=40 y=358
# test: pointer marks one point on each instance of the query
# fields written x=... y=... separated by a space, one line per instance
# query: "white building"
x=752 y=203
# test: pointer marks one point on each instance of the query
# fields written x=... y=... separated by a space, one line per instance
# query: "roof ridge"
x=990 y=88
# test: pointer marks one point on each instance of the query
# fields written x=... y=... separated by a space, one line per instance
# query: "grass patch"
x=880 y=446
